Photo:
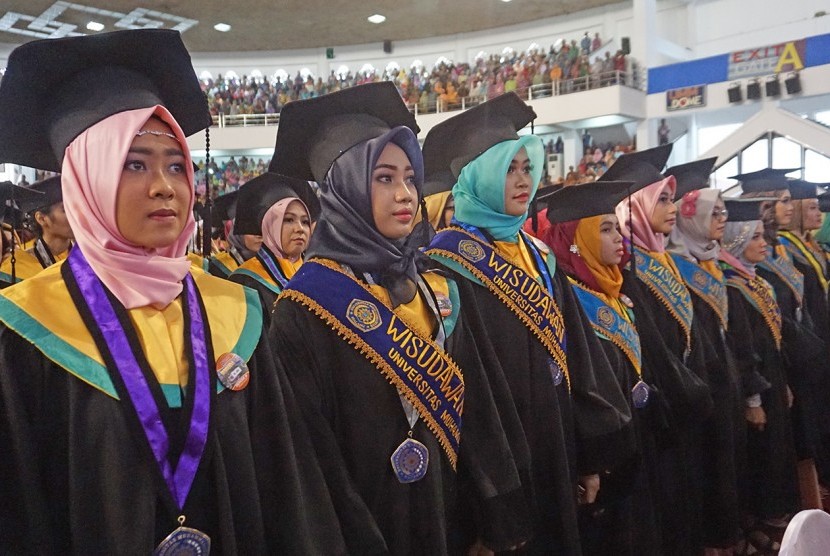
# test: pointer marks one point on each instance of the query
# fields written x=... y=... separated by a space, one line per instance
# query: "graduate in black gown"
x=282 y=211
x=574 y=416
x=140 y=405
x=672 y=358
x=585 y=238
x=233 y=250
x=769 y=485
x=15 y=200
x=694 y=247
x=380 y=351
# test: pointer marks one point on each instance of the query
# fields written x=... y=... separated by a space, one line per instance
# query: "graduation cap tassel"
x=206 y=221
x=630 y=242
x=14 y=234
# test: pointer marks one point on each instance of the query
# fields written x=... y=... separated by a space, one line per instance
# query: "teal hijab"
x=479 y=192
x=823 y=235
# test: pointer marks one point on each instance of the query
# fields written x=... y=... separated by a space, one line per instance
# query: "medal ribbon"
x=760 y=295
x=797 y=247
x=668 y=289
x=180 y=479
x=267 y=259
x=529 y=300
x=606 y=321
x=706 y=286
x=417 y=366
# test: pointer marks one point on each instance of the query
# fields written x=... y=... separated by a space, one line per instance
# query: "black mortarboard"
x=54 y=89
x=261 y=193
x=223 y=208
x=588 y=199
x=453 y=143
x=51 y=189
x=641 y=167
x=26 y=199
x=768 y=179
x=438 y=183
x=800 y=189
x=313 y=133
x=745 y=210
x=824 y=202
x=691 y=176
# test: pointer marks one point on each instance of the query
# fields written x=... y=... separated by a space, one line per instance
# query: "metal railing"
x=635 y=80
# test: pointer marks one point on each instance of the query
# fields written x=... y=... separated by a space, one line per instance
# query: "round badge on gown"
x=184 y=541
x=444 y=305
x=232 y=371
x=640 y=394
x=555 y=372
x=410 y=461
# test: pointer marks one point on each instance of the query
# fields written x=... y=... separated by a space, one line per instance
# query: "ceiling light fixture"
x=505 y=1
x=377 y=18
x=223 y=27
x=95 y=26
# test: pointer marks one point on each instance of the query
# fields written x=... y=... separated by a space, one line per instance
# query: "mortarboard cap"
x=26 y=199
x=641 y=167
x=54 y=89
x=588 y=199
x=746 y=210
x=223 y=208
x=455 y=142
x=691 y=176
x=800 y=189
x=261 y=193
x=824 y=202
x=768 y=179
x=313 y=133
x=51 y=189
x=438 y=183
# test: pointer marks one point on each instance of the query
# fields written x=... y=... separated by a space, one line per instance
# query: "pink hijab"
x=272 y=225
x=643 y=203
x=92 y=168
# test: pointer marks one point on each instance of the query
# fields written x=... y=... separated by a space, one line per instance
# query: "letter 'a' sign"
x=686 y=98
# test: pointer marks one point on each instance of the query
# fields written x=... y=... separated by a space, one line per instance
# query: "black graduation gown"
x=74 y=479
x=582 y=432
x=267 y=296
x=769 y=486
x=357 y=421
x=681 y=402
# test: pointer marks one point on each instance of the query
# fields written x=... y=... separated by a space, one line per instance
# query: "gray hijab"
x=690 y=236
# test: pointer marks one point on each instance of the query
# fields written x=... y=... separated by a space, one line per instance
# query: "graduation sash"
x=761 y=296
x=418 y=368
x=705 y=285
x=529 y=300
x=802 y=252
x=782 y=267
x=608 y=323
x=669 y=290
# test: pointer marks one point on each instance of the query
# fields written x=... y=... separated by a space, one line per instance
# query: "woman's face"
x=54 y=222
x=718 y=222
x=296 y=230
x=252 y=242
x=784 y=209
x=393 y=193
x=810 y=215
x=153 y=200
x=756 y=249
x=664 y=214
x=517 y=185
x=611 y=241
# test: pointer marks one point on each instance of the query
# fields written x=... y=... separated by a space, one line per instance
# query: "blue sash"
x=761 y=296
x=706 y=286
x=420 y=370
x=530 y=301
x=786 y=271
x=608 y=323
x=668 y=289
x=272 y=267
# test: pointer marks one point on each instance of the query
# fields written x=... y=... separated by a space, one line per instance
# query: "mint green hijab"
x=479 y=192
x=823 y=235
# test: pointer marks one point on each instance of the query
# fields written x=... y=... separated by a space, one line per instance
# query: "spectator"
x=596 y=44
x=663 y=132
x=585 y=44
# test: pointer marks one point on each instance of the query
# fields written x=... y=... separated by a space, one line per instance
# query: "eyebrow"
x=148 y=151
x=391 y=167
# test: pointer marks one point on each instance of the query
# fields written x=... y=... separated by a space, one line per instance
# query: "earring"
x=574 y=249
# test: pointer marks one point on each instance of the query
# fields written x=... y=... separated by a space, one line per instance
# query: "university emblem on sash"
x=363 y=314
x=605 y=316
x=470 y=250
x=699 y=279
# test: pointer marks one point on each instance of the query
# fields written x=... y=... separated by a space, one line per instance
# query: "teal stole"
x=784 y=269
x=610 y=325
x=419 y=369
x=530 y=301
x=706 y=286
x=669 y=290
x=760 y=294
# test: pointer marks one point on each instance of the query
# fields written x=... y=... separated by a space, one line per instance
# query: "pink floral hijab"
x=642 y=204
